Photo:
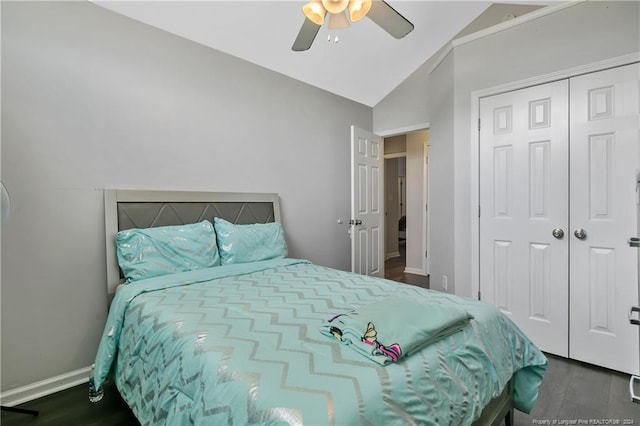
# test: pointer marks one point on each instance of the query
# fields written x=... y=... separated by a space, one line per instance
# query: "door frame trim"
x=475 y=139
x=402 y=130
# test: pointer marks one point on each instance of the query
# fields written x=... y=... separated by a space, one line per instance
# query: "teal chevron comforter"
x=240 y=344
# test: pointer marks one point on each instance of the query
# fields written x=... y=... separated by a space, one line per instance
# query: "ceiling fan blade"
x=389 y=19
x=306 y=36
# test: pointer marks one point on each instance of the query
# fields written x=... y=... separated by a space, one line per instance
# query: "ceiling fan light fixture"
x=314 y=11
x=338 y=21
x=335 y=6
x=358 y=9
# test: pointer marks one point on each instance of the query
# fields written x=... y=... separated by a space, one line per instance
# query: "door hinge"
x=478 y=124
x=478 y=210
x=425 y=253
x=479 y=295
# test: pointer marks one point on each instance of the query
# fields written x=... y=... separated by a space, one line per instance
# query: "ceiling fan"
x=341 y=12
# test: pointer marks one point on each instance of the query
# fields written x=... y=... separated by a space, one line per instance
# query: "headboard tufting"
x=126 y=209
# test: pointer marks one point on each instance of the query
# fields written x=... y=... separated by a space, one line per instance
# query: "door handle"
x=632 y=320
x=634 y=242
x=580 y=234
x=558 y=233
x=634 y=398
x=355 y=222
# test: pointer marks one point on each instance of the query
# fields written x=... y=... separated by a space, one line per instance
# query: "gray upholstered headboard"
x=126 y=209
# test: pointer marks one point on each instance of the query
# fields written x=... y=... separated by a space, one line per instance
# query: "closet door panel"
x=523 y=198
x=604 y=159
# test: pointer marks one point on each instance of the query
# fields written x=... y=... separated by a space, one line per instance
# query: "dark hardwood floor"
x=572 y=390
x=72 y=407
x=571 y=393
x=394 y=270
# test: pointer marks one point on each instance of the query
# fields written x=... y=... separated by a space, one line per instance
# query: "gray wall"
x=94 y=100
x=404 y=107
x=441 y=174
x=584 y=33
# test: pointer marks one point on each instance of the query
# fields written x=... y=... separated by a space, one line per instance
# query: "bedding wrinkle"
x=240 y=344
x=149 y=252
x=455 y=383
x=387 y=395
x=467 y=364
x=417 y=401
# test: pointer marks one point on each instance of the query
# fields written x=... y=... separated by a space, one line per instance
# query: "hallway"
x=394 y=270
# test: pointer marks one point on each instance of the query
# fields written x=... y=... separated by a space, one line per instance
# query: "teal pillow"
x=150 y=252
x=249 y=243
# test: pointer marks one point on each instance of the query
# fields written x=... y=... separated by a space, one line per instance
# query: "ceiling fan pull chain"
x=336 y=39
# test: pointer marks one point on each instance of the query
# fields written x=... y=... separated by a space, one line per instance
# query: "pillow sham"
x=150 y=252
x=249 y=243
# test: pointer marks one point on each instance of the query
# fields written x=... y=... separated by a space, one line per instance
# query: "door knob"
x=580 y=234
x=558 y=233
x=634 y=320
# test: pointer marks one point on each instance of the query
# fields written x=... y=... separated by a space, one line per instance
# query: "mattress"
x=241 y=344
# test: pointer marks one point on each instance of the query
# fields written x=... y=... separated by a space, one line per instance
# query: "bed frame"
x=499 y=409
x=126 y=209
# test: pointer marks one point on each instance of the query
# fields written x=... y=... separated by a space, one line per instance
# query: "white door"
x=523 y=199
x=367 y=237
x=605 y=156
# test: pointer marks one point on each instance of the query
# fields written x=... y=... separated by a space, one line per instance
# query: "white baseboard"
x=45 y=387
x=415 y=271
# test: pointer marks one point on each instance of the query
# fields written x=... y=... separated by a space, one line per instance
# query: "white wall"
x=415 y=204
x=583 y=33
x=94 y=100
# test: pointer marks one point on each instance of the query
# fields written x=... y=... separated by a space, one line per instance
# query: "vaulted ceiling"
x=364 y=65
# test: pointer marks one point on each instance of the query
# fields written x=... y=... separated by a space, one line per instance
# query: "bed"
x=242 y=342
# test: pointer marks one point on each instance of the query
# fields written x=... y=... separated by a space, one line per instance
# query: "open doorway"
x=395 y=208
x=406 y=219
x=395 y=215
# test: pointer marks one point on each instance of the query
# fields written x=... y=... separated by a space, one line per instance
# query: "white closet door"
x=523 y=198
x=605 y=155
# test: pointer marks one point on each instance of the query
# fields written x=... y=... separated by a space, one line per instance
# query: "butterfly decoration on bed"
x=370 y=337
